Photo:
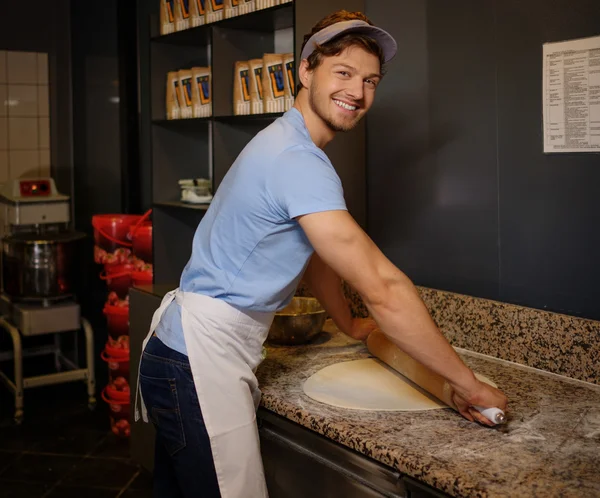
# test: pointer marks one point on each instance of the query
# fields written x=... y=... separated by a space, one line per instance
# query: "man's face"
x=342 y=87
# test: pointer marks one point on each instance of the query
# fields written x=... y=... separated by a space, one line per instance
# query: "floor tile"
x=101 y=472
x=17 y=438
x=81 y=492
x=12 y=489
x=69 y=441
x=39 y=468
x=143 y=481
x=112 y=447
x=6 y=458
x=136 y=493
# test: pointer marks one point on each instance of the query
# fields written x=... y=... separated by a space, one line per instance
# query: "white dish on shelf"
x=192 y=197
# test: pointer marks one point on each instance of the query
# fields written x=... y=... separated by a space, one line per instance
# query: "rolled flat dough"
x=370 y=385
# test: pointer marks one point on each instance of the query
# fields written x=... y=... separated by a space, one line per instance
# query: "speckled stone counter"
x=561 y=344
x=550 y=446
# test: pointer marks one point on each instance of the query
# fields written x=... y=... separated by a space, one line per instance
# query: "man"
x=278 y=216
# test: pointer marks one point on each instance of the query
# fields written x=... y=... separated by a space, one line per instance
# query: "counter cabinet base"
x=300 y=463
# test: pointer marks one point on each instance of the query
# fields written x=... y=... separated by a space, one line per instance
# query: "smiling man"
x=278 y=216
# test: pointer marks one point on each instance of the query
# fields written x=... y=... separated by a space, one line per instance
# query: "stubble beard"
x=313 y=101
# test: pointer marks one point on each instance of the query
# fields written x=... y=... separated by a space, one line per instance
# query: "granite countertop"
x=549 y=447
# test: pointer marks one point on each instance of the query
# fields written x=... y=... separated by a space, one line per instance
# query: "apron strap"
x=140 y=407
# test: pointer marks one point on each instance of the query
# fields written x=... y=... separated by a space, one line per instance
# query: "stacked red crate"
x=123 y=245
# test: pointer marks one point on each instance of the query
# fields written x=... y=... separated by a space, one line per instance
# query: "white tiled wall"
x=24 y=115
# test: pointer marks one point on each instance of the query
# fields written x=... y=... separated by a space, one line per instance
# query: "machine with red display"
x=39 y=249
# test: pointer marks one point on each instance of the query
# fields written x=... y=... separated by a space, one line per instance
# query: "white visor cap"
x=388 y=45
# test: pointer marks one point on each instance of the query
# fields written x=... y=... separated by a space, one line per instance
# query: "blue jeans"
x=183 y=462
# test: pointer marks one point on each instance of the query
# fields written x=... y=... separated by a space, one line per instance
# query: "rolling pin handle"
x=494 y=415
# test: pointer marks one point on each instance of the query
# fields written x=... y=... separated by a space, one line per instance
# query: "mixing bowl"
x=298 y=322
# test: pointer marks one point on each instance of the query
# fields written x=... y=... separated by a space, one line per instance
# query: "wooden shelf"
x=271 y=19
x=181 y=122
x=248 y=117
x=182 y=205
x=225 y=119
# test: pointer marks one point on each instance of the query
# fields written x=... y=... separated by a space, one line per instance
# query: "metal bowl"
x=298 y=322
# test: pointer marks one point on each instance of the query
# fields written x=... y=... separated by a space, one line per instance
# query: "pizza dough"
x=370 y=385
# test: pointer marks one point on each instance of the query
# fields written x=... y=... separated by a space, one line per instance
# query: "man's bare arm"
x=395 y=304
x=325 y=285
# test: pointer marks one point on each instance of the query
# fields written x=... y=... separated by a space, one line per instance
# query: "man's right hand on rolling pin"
x=394 y=303
x=477 y=393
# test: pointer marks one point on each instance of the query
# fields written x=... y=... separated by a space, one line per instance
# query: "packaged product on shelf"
x=214 y=10
x=265 y=4
x=201 y=98
x=167 y=16
x=246 y=6
x=290 y=80
x=185 y=93
x=182 y=15
x=273 y=83
x=232 y=8
x=172 y=98
x=241 y=89
x=196 y=190
x=197 y=12
x=256 y=91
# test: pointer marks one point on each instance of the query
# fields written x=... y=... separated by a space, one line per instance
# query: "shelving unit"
x=182 y=205
x=207 y=147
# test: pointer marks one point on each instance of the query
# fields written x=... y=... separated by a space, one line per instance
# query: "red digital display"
x=34 y=188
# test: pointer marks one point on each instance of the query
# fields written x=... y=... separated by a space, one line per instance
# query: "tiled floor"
x=62 y=450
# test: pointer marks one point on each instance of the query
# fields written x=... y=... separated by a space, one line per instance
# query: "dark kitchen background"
x=459 y=194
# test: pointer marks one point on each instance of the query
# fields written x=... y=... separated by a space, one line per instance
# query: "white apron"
x=224 y=348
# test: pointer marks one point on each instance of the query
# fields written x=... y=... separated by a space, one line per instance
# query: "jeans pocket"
x=161 y=398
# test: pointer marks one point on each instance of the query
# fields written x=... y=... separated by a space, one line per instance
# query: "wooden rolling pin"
x=384 y=349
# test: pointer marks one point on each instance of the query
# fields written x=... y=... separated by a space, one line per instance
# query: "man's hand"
x=361 y=328
x=481 y=394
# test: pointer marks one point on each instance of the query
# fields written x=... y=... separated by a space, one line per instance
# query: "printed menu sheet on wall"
x=571 y=96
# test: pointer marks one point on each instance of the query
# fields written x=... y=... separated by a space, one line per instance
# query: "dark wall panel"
x=549 y=203
x=173 y=248
x=96 y=144
x=431 y=137
x=460 y=193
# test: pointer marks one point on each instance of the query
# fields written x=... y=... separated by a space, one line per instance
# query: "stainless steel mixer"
x=38 y=247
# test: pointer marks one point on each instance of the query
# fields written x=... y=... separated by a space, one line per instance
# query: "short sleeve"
x=302 y=183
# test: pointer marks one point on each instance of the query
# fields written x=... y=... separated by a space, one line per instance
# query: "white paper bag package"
x=246 y=6
x=273 y=83
x=214 y=10
x=172 y=97
x=197 y=13
x=182 y=15
x=256 y=90
x=290 y=80
x=185 y=93
x=241 y=89
x=201 y=92
x=232 y=8
x=167 y=17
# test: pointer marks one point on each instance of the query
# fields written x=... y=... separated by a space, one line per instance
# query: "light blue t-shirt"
x=248 y=250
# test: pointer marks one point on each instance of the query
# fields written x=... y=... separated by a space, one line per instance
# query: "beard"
x=318 y=105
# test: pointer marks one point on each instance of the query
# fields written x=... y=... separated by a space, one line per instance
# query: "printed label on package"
x=276 y=77
x=258 y=77
x=204 y=88
x=245 y=85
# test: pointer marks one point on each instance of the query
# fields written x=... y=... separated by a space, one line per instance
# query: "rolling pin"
x=384 y=349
